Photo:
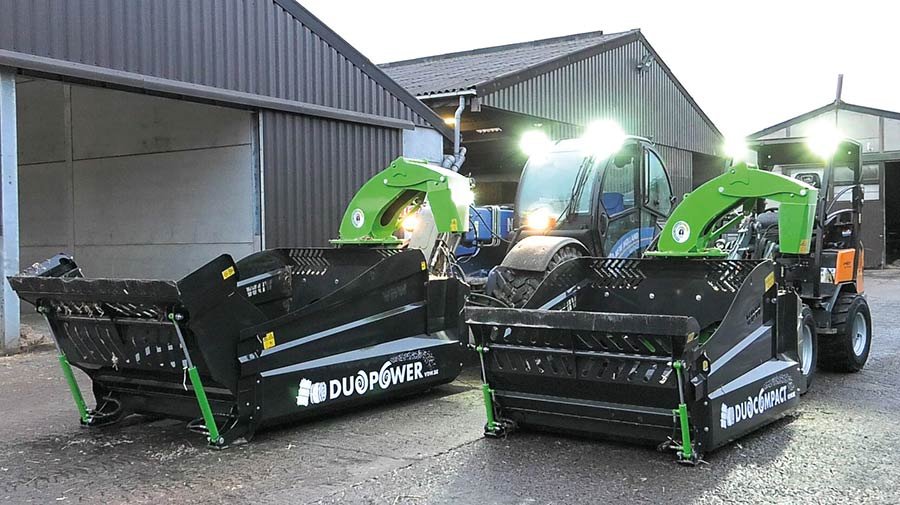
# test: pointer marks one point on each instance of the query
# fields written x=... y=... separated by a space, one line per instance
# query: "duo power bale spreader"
x=282 y=334
x=716 y=331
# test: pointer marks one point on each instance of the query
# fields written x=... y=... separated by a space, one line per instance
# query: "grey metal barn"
x=560 y=85
x=146 y=137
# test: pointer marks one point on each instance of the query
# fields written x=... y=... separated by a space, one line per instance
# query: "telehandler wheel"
x=848 y=350
x=807 y=346
x=517 y=286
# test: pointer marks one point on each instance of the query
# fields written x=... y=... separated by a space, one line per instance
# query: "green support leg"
x=73 y=387
x=687 y=449
x=205 y=409
x=489 y=407
x=488 y=394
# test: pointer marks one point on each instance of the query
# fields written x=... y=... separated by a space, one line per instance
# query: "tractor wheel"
x=516 y=287
x=848 y=350
x=807 y=346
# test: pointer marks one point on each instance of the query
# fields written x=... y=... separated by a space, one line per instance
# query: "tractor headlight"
x=410 y=222
x=540 y=219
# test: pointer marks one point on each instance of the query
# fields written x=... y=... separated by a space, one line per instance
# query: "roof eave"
x=448 y=94
x=516 y=76
x=796 y=119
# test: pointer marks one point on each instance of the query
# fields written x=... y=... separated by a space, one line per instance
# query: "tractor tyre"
x=807 y=346
x=848 y=350
x=516 y=286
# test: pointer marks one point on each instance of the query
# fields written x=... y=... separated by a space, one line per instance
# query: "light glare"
x=540 y=219
x=410 y=223
x=824 y=139
x=535 y=143
x=736 y=149
x=603 y=138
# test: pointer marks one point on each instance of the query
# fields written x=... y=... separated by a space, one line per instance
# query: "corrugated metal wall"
x=608 y=86
x=679 y=163
x=314 y=166
x=249 y=46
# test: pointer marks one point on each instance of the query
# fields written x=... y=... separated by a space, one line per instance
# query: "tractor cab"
x=836 y=251
x=605 y=194
x=611 y=200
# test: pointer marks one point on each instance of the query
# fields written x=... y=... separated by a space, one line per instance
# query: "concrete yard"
x=839 y=447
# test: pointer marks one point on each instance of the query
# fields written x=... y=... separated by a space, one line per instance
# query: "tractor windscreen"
x=551 y=181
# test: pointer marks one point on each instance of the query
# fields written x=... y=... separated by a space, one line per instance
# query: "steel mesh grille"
x=308 y=262
x=618 y=273
x=106 y=343
x=728 y=276
x=109 y=309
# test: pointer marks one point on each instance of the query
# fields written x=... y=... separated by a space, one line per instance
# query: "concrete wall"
x=133 y=185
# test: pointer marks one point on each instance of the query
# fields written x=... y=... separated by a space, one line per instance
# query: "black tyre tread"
x=519 y=285
x=836 y=353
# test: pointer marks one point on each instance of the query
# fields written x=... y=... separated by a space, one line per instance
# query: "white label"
x=357 y=218
x=362 y=382
x=681 y=232
x=755 y=405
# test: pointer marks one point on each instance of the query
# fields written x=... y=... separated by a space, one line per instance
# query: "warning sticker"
x=228 y=272
x=269 y=340
x=770 y=280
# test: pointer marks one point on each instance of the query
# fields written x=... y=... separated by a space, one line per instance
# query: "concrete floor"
x=839 y=447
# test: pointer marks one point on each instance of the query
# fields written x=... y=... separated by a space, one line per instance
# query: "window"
x=617 y=193
x=870 y=173
x=657 y=193
x=549 y=183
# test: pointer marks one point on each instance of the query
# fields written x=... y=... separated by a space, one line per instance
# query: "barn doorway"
x=892 y=213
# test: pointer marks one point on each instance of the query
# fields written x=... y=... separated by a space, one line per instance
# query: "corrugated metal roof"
x=229 y=51
x=453 y=72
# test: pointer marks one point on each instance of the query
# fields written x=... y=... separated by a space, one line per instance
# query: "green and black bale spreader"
x=280 y=335
x=714 y=332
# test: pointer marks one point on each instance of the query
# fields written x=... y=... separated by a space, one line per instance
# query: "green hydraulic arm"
x=691 y=229
x=378 y=208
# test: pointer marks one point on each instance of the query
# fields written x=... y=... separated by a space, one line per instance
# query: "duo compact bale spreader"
x=716 y=331
x=282 y=334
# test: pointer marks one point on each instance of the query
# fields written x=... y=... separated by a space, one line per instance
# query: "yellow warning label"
x=770 y=281
x=804 y=246
x=705 y=365
x=424 y=266
x=454 y=226
x=228 y=272
x=269 y=340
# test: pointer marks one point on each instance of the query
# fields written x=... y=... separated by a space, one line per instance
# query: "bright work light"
x=736 y=148
x=603 y=138
x=535 y=143
x=824 y=139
